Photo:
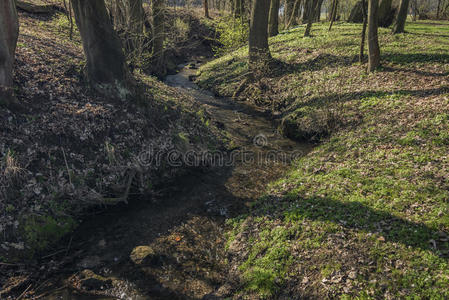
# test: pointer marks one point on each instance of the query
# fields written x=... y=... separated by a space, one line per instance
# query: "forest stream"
x=182 y=231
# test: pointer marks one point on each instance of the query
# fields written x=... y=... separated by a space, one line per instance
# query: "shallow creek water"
x=183 y=231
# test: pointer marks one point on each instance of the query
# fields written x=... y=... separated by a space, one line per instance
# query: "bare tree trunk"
x=106 y=65
x=310 y=16
x=362 y=42
x=294 y=14
x=206 y=9
x=399 y=26
x=259 y=52
x=158 y=36
x=317 y=16
x=373 y=40
x=438 y=9
x=9 y=32
x=68 y=11
x=306 y=12
x=385 y=13
x=136 y=16
x=273 y=27
x=239 y=8
x=414 y=9
x=333 y=13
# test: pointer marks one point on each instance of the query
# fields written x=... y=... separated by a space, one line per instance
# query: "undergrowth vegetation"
x=231 y=34
x=364 y=215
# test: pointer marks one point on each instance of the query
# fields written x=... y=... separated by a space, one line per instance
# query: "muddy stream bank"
x=174 y=248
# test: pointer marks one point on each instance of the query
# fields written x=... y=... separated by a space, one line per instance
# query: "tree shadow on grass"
x=355 y=215
x=402 y=58
x=320 y=62
x=325 y=100
x=417 y=72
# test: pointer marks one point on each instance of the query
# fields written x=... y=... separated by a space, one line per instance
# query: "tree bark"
x=362 y=41
x=373 y=40
x=158 y=36
x=438 y=9
x=306 y=11
x=9 y=32
x=317 y=16
x=106 y=65
x=206 y=9
x=273 y=27
x=136 y=16
x=399 y=26
x=333 y=13
x=239 y=8
x=259 y=52
x=310 y=15
x=294 y=14
x=385 y=13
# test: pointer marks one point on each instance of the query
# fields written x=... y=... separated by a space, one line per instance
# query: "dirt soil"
x=173 y=248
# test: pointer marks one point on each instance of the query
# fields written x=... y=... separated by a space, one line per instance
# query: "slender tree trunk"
x=373 y=40
x=206 y=9
x=438 y=9
x=158 y=36
x=399 y=26
x=362 y=41
x=318 y=10
x=293 y=15
x=333 y=13
x=273 y=27
x=259 y=52
x=238 y=8
x=311 y=16
x=136 y=16
x=414 y=9
x=9 y=31
x=106 y=67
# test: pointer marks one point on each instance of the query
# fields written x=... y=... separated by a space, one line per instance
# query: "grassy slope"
x=366 y=214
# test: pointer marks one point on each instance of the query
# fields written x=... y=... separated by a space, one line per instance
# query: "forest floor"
x=157 y=246
x=366 y=214
x=363 y=214
x=67 y=154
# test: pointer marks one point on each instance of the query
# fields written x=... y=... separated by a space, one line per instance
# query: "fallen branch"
x=38 y=9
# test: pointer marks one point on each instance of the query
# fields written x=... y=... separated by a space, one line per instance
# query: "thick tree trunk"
x=385 y=13
x=399 y=26
x=206 y=9
x=259 y=52
x=273 y=27
x=310 y=15
x=106 y=66
x=362 y=41
x=373 y=40
x=306 y=11
x=9 y=31
x=158 y=36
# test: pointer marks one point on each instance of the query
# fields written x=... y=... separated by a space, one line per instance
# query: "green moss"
x=42 y=231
